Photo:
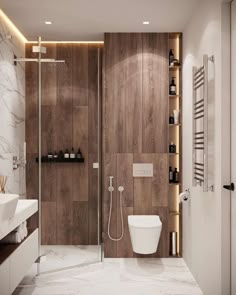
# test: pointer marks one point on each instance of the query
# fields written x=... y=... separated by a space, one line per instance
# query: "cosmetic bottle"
x=170 y=175
x=55 y=155
x=50 y=156
x=171 y=57
x=172 y=87
x=72 y=153
x=79 y=154
x=176 y=176
x=171 y=120
x=176 y=116
x=60 y=155
x=172 y=148
x=66 y=154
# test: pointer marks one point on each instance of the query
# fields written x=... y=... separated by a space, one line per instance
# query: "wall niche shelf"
x=45 y=160
x=175 y=96
x=175 y=135
x=174 y=213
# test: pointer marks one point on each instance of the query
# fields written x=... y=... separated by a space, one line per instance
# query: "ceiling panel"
x=84 y=20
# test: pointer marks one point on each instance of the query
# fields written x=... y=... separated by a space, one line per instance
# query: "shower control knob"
x=120 y=188
x=110 y=188
x=229 y=187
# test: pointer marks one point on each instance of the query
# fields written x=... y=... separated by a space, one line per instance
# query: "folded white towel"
x=12 y=238
x=17 y=235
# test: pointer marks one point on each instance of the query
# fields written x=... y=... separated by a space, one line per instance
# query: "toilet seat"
x=145 y=231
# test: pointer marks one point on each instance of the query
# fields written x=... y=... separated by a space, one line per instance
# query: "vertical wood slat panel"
x=143 y=188
x=155 y=93
x=93 y=99
x=80 y=75
x=124 y=246
x=49 y=220
x=80 y=139
x=110 y=169
x=64 y=89
x=125 y=178
x=64 y=224
x=49 y=77
x=123 y=86
x=160 y=183
x=93 y=201
x=80 y=223
x=163 y=247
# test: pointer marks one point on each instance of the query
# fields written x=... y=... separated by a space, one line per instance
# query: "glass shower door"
x=69 y=135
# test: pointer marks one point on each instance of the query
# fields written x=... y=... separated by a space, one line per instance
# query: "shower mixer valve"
x=111 y=187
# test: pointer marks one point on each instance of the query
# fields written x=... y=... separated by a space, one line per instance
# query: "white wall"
x=206 y=216
x=12 y=108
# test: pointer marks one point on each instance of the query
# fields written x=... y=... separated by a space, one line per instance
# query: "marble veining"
x=115 y=276
x=64 y=256
x=12 y=109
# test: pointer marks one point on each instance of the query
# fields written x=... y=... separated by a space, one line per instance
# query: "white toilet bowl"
x=145 y=231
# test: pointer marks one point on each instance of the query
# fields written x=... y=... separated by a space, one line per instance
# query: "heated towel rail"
x=200 y=125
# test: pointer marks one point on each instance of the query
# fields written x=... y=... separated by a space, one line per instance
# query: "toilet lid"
x=144 y=221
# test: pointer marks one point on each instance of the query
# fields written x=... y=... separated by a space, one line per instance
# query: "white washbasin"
x=8 y=203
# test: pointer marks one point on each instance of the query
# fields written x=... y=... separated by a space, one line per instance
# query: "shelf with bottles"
x=63 y=157
x=174 y=125
x=175 y=96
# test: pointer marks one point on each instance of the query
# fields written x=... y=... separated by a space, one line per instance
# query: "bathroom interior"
x=116 y=147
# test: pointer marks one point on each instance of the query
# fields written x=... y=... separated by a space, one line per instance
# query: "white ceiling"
x=84 y=20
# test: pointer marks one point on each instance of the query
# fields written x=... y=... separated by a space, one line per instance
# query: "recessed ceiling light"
x=48 y=22
x=145 y=22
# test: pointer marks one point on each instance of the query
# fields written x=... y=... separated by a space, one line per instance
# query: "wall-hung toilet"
x=145 y=231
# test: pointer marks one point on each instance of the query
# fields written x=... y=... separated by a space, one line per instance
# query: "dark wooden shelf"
x=61 y=160
x=7 y=249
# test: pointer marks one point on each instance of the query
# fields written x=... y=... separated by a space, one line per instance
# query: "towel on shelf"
x=12 y=238
x=17 y=235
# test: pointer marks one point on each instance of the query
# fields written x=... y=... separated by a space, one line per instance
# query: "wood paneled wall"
x=135 y=130
x=69 y=118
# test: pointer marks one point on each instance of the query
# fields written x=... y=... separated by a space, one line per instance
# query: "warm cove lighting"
x=68 y=42
x=12 y=27
x=145 y=22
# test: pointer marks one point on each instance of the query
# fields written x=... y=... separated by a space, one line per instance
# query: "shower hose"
x=120 y=189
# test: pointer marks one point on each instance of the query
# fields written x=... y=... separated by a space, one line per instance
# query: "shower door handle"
x=229 y=187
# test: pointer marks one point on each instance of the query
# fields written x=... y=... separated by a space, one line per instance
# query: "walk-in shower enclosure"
x=63 y=150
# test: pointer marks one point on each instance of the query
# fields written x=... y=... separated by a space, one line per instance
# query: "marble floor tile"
x=60 y=256
x=117 y=276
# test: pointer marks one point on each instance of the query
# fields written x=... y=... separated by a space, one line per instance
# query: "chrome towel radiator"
x=200 y=125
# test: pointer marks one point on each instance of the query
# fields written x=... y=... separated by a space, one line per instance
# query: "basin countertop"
x=25 y=208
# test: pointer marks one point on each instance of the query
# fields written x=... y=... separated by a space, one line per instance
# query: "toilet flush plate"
x=142 y=170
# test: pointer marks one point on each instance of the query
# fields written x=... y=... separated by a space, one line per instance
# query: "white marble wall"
x=12 y=109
